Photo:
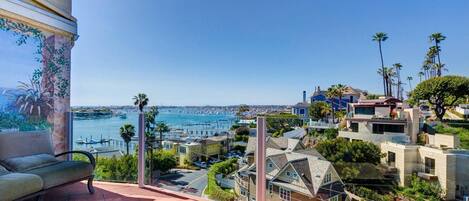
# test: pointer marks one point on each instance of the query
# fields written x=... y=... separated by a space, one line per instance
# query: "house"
x=302 y=108
x=297 y=133
x=204 y=149
x=379 y=120
x=438 y=161
x=292 y=172
x=351 y=95
x=463 y=110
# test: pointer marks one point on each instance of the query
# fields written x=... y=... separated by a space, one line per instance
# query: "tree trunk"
x=440 y=111
x=127 y=146
x=161 y=141
x=439 y=62
x=382 y=67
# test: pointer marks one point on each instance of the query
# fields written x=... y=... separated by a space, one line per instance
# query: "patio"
x=115 y=192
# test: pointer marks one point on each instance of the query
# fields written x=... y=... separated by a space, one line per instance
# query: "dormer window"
x=294 y=175
x=327 y=178
x=270 y=165
x=288 y=173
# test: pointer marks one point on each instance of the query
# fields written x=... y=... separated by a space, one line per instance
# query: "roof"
x=309 y=164
x=387 y=100
x=296 y=134
x=281 y=143
x=301 y=105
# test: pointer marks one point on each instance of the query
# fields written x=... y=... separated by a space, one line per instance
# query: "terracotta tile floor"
x=114 y=192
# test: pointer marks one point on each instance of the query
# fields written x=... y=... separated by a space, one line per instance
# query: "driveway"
x=187 y=181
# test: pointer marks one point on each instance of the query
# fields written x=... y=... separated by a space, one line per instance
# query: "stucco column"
x=57 y=54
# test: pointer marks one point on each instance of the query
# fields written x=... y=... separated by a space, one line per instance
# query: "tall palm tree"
x=331 y=93
x=421 y=74
x=437 y=38
x=381 y=37
x=127 y=131
x=161 y=128
x=410 y=78
x=140 y=100
x=398 y=67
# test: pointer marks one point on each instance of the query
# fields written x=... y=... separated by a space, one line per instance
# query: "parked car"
x=213 y=161
x=200 y=164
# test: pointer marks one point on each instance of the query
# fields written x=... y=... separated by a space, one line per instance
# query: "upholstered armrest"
x=87 y=154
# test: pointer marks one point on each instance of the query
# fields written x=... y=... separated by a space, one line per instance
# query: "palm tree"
x=437 y=38
x=161 y=128
x=388 y=74
x=140 y=100
x=340 y=89
x=409 y=78
x=127 y=131
x=398 y=67
x=381 y=37
x=427 y=65
x=421 y=74
x=331 y=93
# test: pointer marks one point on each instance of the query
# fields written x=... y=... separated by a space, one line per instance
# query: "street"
x=187 y=181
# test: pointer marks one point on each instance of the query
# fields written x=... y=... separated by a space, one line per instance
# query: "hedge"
x=213 y=190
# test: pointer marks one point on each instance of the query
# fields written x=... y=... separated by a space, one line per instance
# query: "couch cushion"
x=24 y=163
x=62 y=172
x=3 y=170
x=17 y=185
x=16 y=144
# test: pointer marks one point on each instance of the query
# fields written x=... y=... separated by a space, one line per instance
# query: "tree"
x=437 y=38
x=441 y=92
x=381 y=37
x=319 y=110
x=339 y=91
x=127 y=131
x=163 y=161
x=398 y=67
x=331 y=93
x=242 y=134
x=161 y=128
x=340 y=150
x=140 y=100
x=241 y=110
x=421 y=74
x=388 y=74
x=410 y=78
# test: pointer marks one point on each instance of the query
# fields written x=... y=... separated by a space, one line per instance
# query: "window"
x=285 y=195
x=294 y=175
x=327 y=178
x=429 y=165
x=270 y=165
x=391 y=159
x=381 y=128
x=288 y=173
x=335 y=198
x=182 y=150
x=365 y=110
x=271 y=187
x=302 y=111
x=354 y=127
x=243 y=192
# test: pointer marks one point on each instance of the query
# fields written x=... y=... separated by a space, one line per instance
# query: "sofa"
x=29 y=167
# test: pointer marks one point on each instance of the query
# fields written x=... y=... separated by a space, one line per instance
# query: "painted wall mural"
x=34 y=79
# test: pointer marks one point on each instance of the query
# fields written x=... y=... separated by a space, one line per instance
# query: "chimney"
x=304 y=96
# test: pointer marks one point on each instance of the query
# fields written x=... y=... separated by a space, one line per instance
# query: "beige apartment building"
x=292 y=173
x=438 y=161
x=381 y=120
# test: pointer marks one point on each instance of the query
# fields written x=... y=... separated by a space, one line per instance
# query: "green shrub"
x=463 y=133
x=213 y=190
x=420 y=190
x=368 y=194
x=340 y=150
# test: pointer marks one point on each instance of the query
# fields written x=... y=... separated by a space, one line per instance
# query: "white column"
x=141 y=150
x=260 y=160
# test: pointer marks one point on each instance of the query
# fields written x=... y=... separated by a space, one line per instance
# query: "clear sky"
x=212 y=52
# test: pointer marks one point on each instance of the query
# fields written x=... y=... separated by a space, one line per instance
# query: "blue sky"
x=212 y=52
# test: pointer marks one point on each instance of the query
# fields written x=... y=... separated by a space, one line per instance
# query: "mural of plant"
x=34 y=97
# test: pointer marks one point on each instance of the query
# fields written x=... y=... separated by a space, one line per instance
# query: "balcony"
x=115 y=191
